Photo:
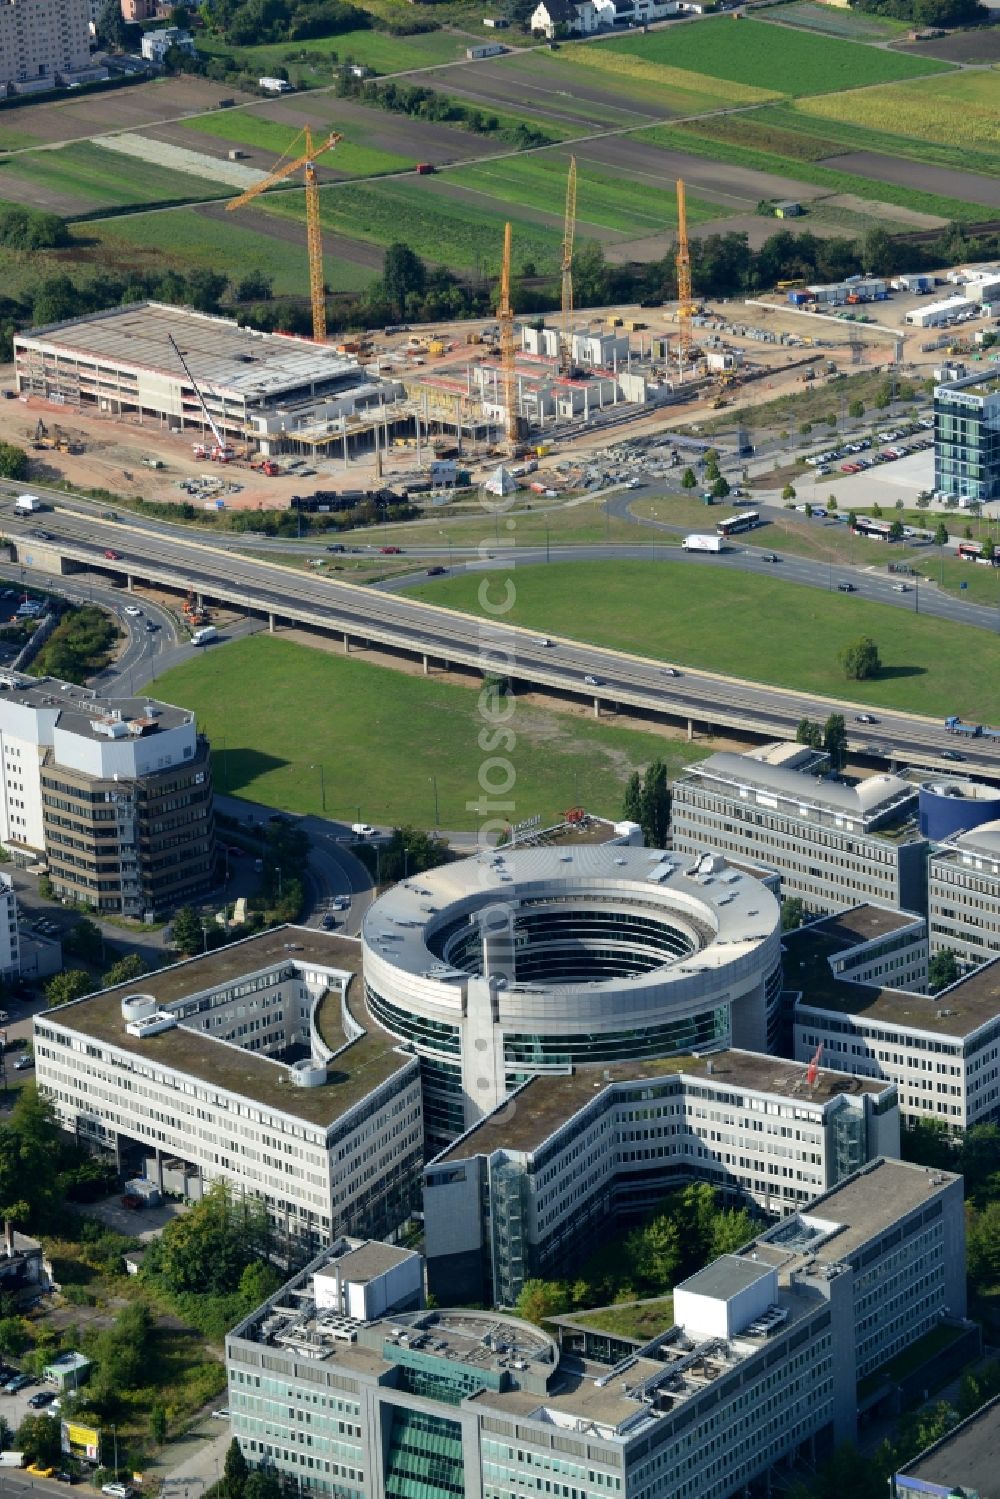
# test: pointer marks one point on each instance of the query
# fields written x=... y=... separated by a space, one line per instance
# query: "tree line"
x=427 y=104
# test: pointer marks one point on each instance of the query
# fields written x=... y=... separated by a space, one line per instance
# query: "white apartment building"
x=44 y=43
x=189 y=1073
x=759 y=1363
x=522 y=1194
x=10 y=945
x=963 y=896
x=833 y=845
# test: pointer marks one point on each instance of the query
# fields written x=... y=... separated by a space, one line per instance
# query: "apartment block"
x=963 y=896
x=44 y=43
x=759 y=1362
x=833 y=845
x=523 y=1193
x=190 y=1077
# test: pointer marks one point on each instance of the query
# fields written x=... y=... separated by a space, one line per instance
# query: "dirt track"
x=121 y=109
x=968 y=186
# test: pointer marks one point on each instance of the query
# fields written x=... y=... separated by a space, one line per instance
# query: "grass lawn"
x=376 y=49
x=633 y=1319
x=587 y=523
x=103 y=178
x=184 y=238
x=621 y=203
x=787 y=62
x=247 y=129
x=753 y=627
x=412 y=728
x=13 y=140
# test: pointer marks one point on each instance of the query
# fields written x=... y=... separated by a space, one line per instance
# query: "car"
x=634 y=484
x=112 y=555
x=593 y=681
x=846 y=588
x=329 y=922
x=117 y=1490
x=21 y=1065
x=133 y=612
x=336 y=546
x=17 y=1384
x=64 y=1476
x=671 y=671
x=435 y=572
x=41 y=1472
x=151 y=629
x=222 y=1414
x=546 y=642
x=865 y=718
x=390 y=551
x=900 y=587
x=770 y=557
x=341 y=903
x=951 y=755
x=41 y=1398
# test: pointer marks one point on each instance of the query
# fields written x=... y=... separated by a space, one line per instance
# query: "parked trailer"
x=954 y=725
x=700 y=542
x=204 y=635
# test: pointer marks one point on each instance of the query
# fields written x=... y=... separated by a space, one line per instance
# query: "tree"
x=84 y=940
x=125 y=970
x=940 y=534
x=235 y=1472
x=835 y=740
x=13 y=462
x=809 y=733
x=40 y=1439
x=942 y=970
x=72 y=983
x=110 y=27
x=720 y=488
x=852 y=520
x=158 y=1423
x=632 y=804
x=262 y=1484
x=923 y=500
x=210 y=1247
x=793 y=913
x=788 y=493
x=807 y=510
x=732 y=1228
x=860 y=659
x=254 y=287
x=856 y=410
x=187 y=933
x=831 y=502
x=688 y=479
x=928 y=1143
x=712 y=469
x=988 y=549
x=540 y=1299
x=404 y=275
x=655 y=818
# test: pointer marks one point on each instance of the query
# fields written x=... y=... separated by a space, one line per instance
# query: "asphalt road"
x=709 y=700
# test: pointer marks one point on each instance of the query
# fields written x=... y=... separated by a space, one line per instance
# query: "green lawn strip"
x=758 y=628
x=572 y=525
x=107 y=179
x=377 y=50
x=184 y=238
x=791 y=62
x=827 y=137
x=413 y=730
x=620 y=203
x=449 y=233
x=691 y=139
x=271 y=135
x=632 y=1319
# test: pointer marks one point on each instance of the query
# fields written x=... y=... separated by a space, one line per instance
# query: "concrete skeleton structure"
x=114 y=794
x=760 y=1361
x=44 y=43
x=282 y=394
x=834 y=845
x=523 y=1193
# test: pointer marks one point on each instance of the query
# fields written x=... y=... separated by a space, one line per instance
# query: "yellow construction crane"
x=314 y=237
x=569 y=230
x=685 y=306
x=505 y=320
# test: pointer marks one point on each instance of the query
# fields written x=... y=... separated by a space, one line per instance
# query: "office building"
x=956 y=805
x=523 y=1193
x=963 y=896
x=760 y=1362
x=188 y=1077
x=965 y=1464
x=834 y=845
x=44 y=43
x=967 y=437
x=530 y=961
x=114 y=794
x=10 y=941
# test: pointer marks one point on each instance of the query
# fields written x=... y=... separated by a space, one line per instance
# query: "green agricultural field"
x=959 y=111
x=834 y=20
x=785 y=62
x=104 y=178
x=447 y=232
x=413 y=731
x=15 y=140
x=651 y=79
x=247 y=129
x=757 y=628
x=722 y=140
x=622 y=203
x=376 y=49
x=792 y=130
x=184 y=238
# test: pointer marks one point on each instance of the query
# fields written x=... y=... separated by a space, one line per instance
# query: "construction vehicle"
x=314 y=235
x=569 y=233
x=194 y=614
x=266 y=466
x=42 y=438
x=223 y=451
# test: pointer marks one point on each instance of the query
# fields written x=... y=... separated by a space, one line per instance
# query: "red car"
x=112 y=555
x=390 y=551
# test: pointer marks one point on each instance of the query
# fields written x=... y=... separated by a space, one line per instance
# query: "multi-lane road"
x=165 y=556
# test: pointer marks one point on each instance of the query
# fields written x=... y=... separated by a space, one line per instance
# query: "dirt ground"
x=513 y=83
x=122 y=109
x=980 y=45
x=968 y=186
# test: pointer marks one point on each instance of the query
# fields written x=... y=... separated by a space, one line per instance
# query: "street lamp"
x=322 y=784
x=437 y=813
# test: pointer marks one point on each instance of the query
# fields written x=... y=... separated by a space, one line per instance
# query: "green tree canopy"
x=404 y=275
x=13 y=462
x=940 y=534
x=809 y=733
x=860 y=659
x=793 y=913
x=540 y=1299
x=632 y=803
x=72 y=983
x=835 y=740
x=209 y=1248
x=187 y=933
x=942 y=970
x=655 y=805
x=133 y=966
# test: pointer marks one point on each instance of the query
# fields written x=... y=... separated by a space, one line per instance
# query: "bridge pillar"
x=427 y=669
x=347 y=644
x=270 y=624
x=690 y=729
x=129 y=583
x=597 y=707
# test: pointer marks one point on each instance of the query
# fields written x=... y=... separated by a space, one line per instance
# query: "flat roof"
x=725 y=1277
x=969 y=1456
x=367 y=1262
x=221 y=355
x=545 y=1104
x=864 y=923
x=365 y=1064
x=874 y=796
x=956 y=1011
x=79 y=707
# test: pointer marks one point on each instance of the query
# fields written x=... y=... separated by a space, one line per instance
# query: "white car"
x=341 y=903
x=116 y=1490
x=131 y=609
x=222 y=1414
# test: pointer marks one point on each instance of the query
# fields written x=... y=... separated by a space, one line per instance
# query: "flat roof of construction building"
x=222 y=356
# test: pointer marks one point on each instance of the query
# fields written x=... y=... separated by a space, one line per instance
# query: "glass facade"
x=425 y=1457
x=568 y=944
x=967 y=439
x=710 y=1028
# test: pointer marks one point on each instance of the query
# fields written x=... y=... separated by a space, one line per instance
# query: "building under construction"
x=204 y=376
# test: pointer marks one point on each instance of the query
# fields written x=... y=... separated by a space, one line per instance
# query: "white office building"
x=523 y=1193
x=834 y=845
x=10 y=944
x=963 y=896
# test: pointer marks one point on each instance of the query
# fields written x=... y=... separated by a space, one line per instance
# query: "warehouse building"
x=523 y=1193
x=191 y=1073
x=963 y=896
x=833 y=844
x=760 y=1362
x=283 y=394
x=967 y=437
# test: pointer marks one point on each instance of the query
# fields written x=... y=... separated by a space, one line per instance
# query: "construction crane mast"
x=685 y=306
x=223 y=449
x=505 y=320
x=569 y=231
x=314 y=237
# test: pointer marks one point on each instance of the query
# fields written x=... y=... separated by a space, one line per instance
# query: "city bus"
x=875 y=530
x=972 y=551
x=736 y=523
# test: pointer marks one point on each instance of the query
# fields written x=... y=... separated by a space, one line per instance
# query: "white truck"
x=204 y=635
x=28 y=504
x=362 y=830
x=275 y=85
x=701 y=542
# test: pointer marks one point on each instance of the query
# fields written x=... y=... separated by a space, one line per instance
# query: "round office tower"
x=519 y=962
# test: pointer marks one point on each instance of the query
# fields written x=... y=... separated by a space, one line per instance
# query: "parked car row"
x=821 y=461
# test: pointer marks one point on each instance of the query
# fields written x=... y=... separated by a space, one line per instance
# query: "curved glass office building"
x=522 y=962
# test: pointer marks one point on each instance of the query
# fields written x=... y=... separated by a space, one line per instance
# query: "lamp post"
x=322 y=784
x=437 y=813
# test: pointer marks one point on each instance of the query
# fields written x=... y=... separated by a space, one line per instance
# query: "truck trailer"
x=28 y=504
x=204 y=635
x=702 y=542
